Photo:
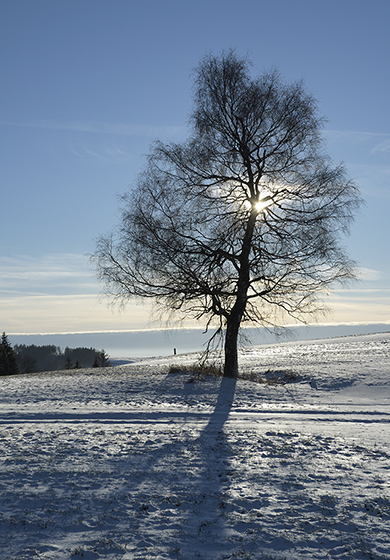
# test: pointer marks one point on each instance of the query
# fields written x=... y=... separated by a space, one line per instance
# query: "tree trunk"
x=234 y=320
x=231 y=346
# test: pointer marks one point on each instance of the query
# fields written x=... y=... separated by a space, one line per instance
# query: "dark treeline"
x=32 y=359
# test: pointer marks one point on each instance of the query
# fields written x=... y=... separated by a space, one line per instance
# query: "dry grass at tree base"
x=198 y=372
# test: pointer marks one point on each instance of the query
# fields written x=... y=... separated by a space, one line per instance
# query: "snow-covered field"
x=134 y=463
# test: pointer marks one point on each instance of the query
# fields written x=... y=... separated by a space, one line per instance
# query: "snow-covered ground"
x=133 y=463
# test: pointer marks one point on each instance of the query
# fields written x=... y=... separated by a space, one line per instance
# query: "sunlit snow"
x=130 y=462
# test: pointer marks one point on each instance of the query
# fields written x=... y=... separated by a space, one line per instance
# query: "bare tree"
x=242 y=221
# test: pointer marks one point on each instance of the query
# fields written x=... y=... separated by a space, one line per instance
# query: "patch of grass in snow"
x=273 y=377
x=198 y=372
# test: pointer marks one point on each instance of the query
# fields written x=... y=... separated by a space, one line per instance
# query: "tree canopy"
x=242 y=222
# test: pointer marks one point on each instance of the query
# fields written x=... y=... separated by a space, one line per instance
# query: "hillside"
x=131 y=462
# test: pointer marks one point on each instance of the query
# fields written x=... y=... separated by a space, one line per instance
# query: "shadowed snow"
x=130 y=462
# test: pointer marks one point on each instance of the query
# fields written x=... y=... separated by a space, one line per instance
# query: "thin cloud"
x=105 y=152
x=374 y=143
x=34 y=314
x=382 y=147
x=366 y=155
x=46 y=274
x=60 y=264
x=355 y=136
x=369 y=274
x=96 y=127
x=362 y=291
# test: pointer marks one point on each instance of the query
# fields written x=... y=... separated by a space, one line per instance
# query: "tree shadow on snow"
x=151 y=481
x=196 y=467
x=208 y=522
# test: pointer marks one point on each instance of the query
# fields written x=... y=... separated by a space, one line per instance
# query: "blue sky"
x=88 y=84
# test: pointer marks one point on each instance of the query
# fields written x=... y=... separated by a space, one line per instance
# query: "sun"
x=263 y=204
x=260 y=205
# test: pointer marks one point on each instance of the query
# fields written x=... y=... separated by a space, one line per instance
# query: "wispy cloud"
x=105 y=151
x=47 y=274
x=95 y=127
x=382 y=147
x=367 y=157
x=67 y=313
x=373 y=143
x=356 y=136
x=58 y=293
x=360 y=305
x=369 y=274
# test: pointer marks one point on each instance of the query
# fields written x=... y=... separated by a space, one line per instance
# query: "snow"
x=132 y=462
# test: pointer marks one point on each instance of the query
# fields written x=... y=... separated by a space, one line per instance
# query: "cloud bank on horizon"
x=61 y=290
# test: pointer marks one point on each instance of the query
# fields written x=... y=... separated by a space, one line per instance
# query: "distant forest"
x=32 y=359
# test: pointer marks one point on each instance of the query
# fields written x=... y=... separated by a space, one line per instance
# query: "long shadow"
x=168 y=479
x=198 y=491
x=223 y=405
x=205 y=524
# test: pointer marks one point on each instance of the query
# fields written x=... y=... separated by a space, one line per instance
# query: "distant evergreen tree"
x=8 y=363
x=68 y=364
x=101 y=359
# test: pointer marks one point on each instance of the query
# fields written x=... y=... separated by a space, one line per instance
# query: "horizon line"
x=164 y=329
